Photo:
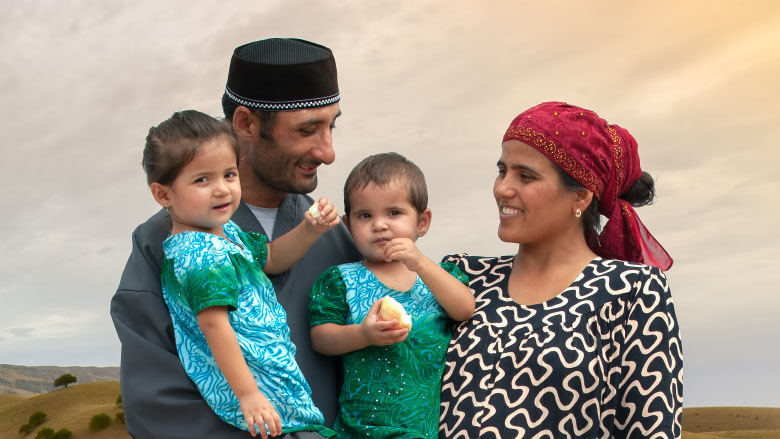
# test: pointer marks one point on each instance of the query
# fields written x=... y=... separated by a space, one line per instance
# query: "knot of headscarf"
x=604 y=159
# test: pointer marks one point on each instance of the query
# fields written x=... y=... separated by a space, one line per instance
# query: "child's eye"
x=364 y=215
x=394 y=212
x=201 y=180
x=231 y=174
x=501 y=171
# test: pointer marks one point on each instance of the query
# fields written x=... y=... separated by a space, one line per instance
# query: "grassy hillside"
x=31 y=380
x=73 y=407
x=731 y=422
x=70 y=408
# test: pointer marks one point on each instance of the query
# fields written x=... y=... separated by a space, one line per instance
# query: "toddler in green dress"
x=231 y=333
x=391 y=374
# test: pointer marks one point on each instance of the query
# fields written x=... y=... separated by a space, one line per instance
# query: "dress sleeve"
x=650 y=391
x=453 y=269
x=158 y=397
x=328 y=299
x=209 y=279
x=257 y=244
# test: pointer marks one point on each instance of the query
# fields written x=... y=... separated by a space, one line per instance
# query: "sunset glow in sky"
x=696 y=83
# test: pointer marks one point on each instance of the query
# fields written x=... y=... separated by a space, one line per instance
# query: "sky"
x=438 y=81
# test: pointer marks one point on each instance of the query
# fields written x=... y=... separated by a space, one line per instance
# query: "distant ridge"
x=31 y=380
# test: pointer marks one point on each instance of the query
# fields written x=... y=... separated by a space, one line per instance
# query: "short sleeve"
x=210 y=282
x=453 y=269
x=328 y=299
x=257 y=244
x=650 y=391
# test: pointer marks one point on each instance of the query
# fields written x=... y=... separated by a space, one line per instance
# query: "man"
x=282 y=100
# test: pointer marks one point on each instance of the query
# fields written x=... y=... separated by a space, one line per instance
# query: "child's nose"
x=221 y=187
x=379 y=224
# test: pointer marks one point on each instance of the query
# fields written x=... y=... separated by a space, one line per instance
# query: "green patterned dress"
x=389 y=391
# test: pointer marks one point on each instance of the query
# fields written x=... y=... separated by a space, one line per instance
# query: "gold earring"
x=577 y=213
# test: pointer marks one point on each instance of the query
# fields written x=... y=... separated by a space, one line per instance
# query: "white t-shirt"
x=267 y=218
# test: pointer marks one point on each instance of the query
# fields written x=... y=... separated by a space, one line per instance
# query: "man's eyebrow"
x=316 y=120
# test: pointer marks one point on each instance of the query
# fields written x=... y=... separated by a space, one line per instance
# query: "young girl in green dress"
x=231 y=333
x=391 y=374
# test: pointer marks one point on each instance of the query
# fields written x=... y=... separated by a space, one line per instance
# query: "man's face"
x=301 y=141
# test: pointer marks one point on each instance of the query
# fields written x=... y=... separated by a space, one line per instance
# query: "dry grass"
x=70 y=408
x=73 y=407
x=711 y=419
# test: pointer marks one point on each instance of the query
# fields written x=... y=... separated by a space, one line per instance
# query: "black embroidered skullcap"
x=282 y=74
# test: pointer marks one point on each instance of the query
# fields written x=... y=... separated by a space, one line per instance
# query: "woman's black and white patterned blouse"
x=602 y=359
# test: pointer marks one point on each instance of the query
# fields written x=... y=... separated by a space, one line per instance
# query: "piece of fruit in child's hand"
x=390 y=309
x=314 y=211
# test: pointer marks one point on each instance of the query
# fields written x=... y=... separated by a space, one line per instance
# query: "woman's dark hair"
x=641 y=193
x=175 y=142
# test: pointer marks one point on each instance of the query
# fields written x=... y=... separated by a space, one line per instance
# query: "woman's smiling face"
x=532 y=205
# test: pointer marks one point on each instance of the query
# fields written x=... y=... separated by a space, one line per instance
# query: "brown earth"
x=74 y=406
x=70 y=408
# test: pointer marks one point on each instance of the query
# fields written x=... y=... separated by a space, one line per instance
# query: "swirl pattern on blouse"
x=202 y=270
x=603 y=359
x=389 y=391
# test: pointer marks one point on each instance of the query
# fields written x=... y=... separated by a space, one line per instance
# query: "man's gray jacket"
x=159 y=399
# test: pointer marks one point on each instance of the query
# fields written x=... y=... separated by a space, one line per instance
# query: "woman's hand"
x=381 y=332
x=322 y=216
x=258 y=410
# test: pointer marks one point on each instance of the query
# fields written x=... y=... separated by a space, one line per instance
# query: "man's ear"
x=423 y=223
x=245 y=124
x=161 y=194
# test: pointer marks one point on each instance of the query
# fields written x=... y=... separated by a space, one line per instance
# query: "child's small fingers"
x=250 y=422
x=276 y=421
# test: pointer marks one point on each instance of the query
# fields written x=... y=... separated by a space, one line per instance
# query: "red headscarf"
x=604 y=159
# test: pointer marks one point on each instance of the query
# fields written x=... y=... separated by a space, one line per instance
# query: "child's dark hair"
x=383 y=169
x=175 y=142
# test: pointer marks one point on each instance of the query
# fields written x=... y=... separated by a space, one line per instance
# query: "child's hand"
x=381 y=332
x=328 y=216
x=258 y=410
x=404 y=250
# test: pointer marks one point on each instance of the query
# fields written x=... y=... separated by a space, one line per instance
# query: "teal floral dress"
x=389 y=391
x=202 y=270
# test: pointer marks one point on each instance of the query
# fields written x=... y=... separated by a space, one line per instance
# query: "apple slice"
x=390 y=309
x=314 y=211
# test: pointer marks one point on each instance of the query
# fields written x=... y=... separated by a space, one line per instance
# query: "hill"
x=31 y=380
x=731 y=422
x=70 y=408
x=73 y=407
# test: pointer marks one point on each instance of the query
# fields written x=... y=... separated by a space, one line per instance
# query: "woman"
x=575 y=336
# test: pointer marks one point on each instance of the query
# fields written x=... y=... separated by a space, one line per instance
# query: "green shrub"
x=99 y=422
x=37 y=418
x=62 y=434
x=119 y=399
x=120 y=417
x=45 y=433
